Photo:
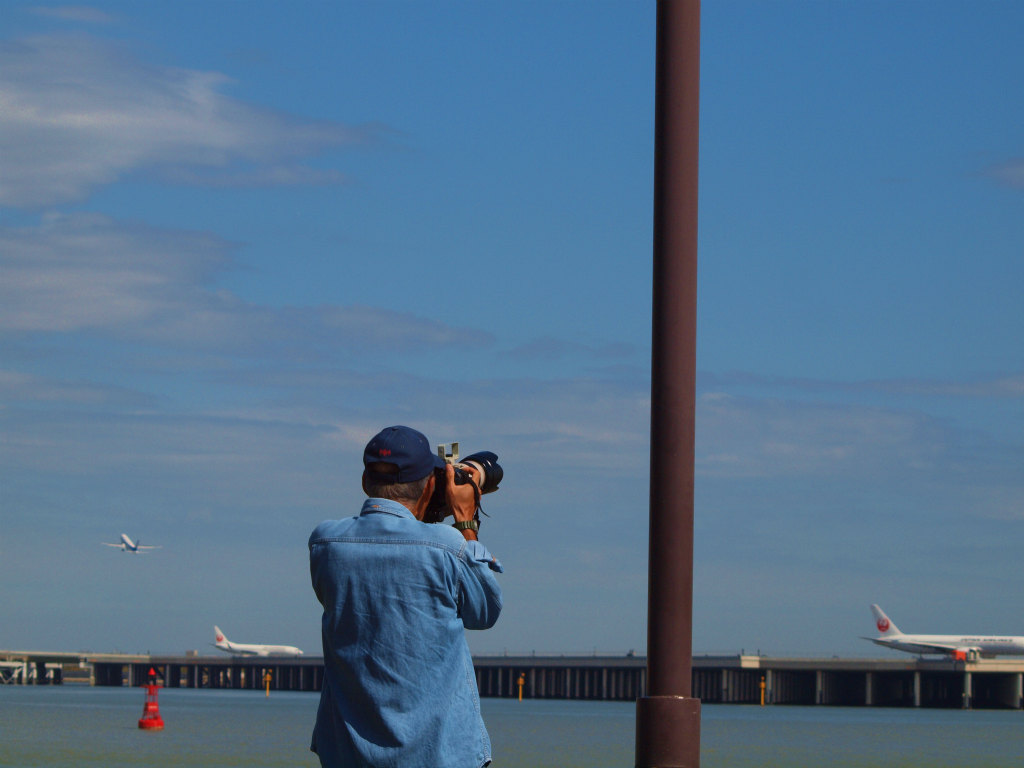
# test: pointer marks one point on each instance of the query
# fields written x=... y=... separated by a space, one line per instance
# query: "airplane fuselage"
x=252 y=649
x=983 y=645
x=127 y=545
x=244 y=649
x=963 y=647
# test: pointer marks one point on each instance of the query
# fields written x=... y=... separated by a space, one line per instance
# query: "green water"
x=74 y=726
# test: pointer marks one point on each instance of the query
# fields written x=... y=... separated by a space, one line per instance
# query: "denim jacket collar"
x=387 y=506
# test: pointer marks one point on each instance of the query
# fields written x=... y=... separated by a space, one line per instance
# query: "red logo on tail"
x=883 y=625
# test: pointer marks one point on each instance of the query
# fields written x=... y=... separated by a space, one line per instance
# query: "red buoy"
x=151 y=720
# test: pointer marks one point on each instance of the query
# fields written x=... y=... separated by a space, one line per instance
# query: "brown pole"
x=668 y=719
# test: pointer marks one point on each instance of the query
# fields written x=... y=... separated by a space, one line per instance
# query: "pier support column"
x=1018 y=691
x=917 y=689
x=968 y=690
x=869 y=692
x=819 y=688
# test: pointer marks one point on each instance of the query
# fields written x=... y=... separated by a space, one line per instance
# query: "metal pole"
x=668 y=719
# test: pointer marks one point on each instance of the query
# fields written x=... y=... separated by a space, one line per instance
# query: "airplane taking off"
x=127 y=545
x=248 y=649
x=960 y=647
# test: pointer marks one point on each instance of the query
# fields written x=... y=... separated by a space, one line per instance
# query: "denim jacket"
x=399 y=687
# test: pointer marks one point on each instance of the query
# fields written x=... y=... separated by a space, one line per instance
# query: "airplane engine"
x=966 y=654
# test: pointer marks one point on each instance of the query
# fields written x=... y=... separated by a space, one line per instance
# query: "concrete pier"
x=562 y=677
x=896 y=682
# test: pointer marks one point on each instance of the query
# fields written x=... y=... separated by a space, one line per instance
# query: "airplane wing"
x=149 y=546
x=916 y=646
x=108 y=544
x=937 y=647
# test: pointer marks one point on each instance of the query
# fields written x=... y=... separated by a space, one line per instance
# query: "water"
x=74 y=726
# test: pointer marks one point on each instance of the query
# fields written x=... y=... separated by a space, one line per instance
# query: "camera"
x=485 y=462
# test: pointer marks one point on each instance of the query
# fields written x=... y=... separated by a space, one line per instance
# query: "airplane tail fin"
x=218 y=636
x=885 y=626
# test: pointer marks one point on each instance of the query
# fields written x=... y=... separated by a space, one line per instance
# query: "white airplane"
x=960 y=647
x=127 y=545
x=248 y=649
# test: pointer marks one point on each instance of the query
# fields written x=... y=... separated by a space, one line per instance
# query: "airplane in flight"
x=127 y=545
x=960 y=647
x=249 y=649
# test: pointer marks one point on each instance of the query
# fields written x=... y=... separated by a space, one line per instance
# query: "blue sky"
x=236 y=239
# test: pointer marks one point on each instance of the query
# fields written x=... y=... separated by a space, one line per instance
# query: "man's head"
x=399 y=465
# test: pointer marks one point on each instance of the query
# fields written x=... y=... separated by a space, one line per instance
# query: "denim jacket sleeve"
x=479 y=596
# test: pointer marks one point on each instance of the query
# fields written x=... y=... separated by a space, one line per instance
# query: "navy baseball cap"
x=404 y=447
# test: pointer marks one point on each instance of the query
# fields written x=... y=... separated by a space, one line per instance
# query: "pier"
x=742 y=679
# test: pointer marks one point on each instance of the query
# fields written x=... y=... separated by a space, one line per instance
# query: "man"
x=398 y=593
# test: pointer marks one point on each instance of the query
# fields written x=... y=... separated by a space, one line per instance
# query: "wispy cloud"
x=374 y=327
x=1009 y=385
x=549 y=348
x=744 y=437
x=298 y=368
x=17 y=387
x=75 y=13
x=267 y=176
x=77 y=112
x=1010 y=173
x=90 y=273
x=85 y=272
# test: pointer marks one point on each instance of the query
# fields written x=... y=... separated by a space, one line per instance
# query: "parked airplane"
x=960 y=647
x=248 y=649
x=127 y=545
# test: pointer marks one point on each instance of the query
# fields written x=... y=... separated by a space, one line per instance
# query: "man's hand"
x=462 y=499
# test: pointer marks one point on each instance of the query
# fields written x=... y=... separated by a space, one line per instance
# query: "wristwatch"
x=467 y=525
